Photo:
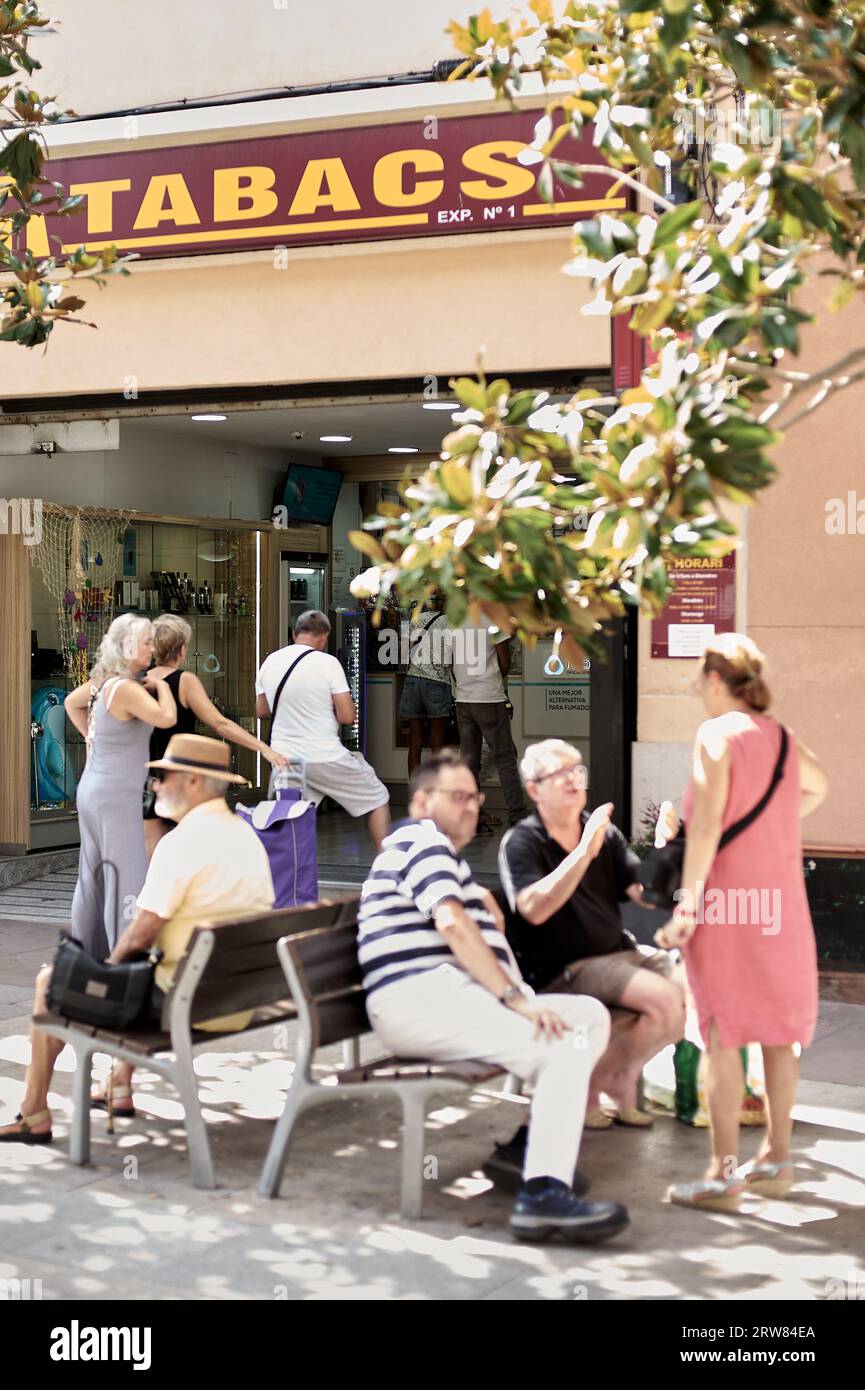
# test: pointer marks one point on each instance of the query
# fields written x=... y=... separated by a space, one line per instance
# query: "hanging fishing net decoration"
x=79 y=557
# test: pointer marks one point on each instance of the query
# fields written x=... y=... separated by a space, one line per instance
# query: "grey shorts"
x=425 y=699
x=349 y=781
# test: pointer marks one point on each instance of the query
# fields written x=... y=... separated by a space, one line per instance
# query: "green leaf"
x=522 y=406
x=853 y=145
x=567 y=174
x=470 y=393
x=672 y=223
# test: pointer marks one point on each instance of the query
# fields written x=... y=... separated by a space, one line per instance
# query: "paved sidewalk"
x=133 y=1227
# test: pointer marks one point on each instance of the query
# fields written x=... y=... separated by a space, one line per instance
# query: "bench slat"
x=265 y=928
x=342 y=1018
x=253 y=990
x=404 y=1069
x=328 y=960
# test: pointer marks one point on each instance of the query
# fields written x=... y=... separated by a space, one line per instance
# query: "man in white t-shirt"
x=307 y=706
x=481 y=661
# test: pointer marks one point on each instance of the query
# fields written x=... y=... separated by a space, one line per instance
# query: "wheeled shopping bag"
x=286 y=827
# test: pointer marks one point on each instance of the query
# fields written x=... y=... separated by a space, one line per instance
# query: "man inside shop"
x=303 y=690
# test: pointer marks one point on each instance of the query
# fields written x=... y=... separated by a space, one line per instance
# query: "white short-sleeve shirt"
x=477 y=675
x=305 y=725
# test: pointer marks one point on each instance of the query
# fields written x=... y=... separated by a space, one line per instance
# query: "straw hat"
x=192 y=753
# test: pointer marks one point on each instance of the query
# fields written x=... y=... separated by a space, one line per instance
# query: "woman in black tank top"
x=171 y=637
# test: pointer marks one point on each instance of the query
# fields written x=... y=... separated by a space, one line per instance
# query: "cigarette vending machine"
x=348 y=645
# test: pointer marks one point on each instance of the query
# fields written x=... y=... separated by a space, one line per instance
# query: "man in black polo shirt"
x=564 y=874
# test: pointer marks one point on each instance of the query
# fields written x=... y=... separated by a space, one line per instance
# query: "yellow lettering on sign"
x=388 y=178
x=100 y=201
x=178 y=209
x=490 y=159
x=324 y=184
x=251 y=185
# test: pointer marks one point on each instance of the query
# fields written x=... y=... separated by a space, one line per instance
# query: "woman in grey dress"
x=116 y=712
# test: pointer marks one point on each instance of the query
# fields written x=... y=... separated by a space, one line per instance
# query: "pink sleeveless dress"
x=752 y=961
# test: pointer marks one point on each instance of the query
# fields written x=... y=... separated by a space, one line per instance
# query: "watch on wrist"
x=512 y=992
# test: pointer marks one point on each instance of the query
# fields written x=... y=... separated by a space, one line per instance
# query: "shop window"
x=210 y=576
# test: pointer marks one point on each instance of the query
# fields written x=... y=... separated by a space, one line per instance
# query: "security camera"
x=298 y=434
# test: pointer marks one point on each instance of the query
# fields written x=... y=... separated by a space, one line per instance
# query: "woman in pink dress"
x=742 y=916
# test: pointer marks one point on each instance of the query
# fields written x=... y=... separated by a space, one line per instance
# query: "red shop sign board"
x=428 y=177
x=702 y=605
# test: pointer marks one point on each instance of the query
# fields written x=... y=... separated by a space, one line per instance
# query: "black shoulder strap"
x=279 y=688
x=742 y=824
x=419 y=636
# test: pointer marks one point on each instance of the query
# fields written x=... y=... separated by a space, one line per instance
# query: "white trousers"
x=443 y=1015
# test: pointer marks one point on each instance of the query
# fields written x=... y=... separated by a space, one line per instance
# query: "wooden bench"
x=227 y=968
x=324 y=978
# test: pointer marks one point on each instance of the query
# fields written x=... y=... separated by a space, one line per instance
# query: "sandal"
x=25 y=1135
x=117 y=1093
x=765 y=1179
x=598 y=1119
x=632 y=1118
x=709 y=1194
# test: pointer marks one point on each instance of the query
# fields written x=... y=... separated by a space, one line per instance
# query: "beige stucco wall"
x=801 y=596
x=407 y=309
x=115 y=54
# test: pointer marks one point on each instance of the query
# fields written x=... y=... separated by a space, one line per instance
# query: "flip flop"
x=765 y=1180
x=632 y=1118
x=709 y=1194
x=598 y=1119
x=25 y=1135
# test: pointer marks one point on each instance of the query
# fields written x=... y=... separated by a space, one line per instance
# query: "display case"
x=209 y=575
x=348 y=641
x=302 y=585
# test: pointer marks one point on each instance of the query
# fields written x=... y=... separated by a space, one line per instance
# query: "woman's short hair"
x=546 y=756
x=739 y=662
x=170 y=635
x=119 y=647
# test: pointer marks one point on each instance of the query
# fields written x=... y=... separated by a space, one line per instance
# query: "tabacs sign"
x=424 y=178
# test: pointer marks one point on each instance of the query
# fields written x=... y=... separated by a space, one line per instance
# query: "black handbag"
x=661 y=870
x=115 y=997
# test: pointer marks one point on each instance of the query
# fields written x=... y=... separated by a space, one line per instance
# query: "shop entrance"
x=242 y=582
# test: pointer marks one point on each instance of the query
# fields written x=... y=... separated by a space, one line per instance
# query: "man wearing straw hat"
x=212 y=867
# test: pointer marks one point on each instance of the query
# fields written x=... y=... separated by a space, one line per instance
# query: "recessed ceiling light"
x=335 y=438
x=401 y=450
x=208 y=417
x=440 y=405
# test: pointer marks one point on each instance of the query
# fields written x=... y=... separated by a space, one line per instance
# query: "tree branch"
x=827 y=388
x=618 y=176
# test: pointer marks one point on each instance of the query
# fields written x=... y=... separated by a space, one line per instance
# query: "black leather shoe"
x=504 y=1167
x=547 y=1207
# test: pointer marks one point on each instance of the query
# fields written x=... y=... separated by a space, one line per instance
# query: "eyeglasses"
x=563 y=774
x=462 y=798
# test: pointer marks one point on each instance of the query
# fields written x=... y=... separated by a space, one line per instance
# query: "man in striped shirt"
x=442 y=984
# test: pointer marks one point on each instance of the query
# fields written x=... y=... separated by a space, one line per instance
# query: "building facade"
x=326 y=233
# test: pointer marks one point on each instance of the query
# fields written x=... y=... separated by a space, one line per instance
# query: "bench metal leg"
x=514 y=1086
x=414 y=1104
x=79 y=1144
x=269 y=1183
x=351 y=1053
x=197 y=1142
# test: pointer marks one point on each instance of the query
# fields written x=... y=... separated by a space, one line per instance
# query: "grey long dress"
x=113 y=861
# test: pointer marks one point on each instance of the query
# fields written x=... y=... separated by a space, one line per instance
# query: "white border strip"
x=282 y=116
